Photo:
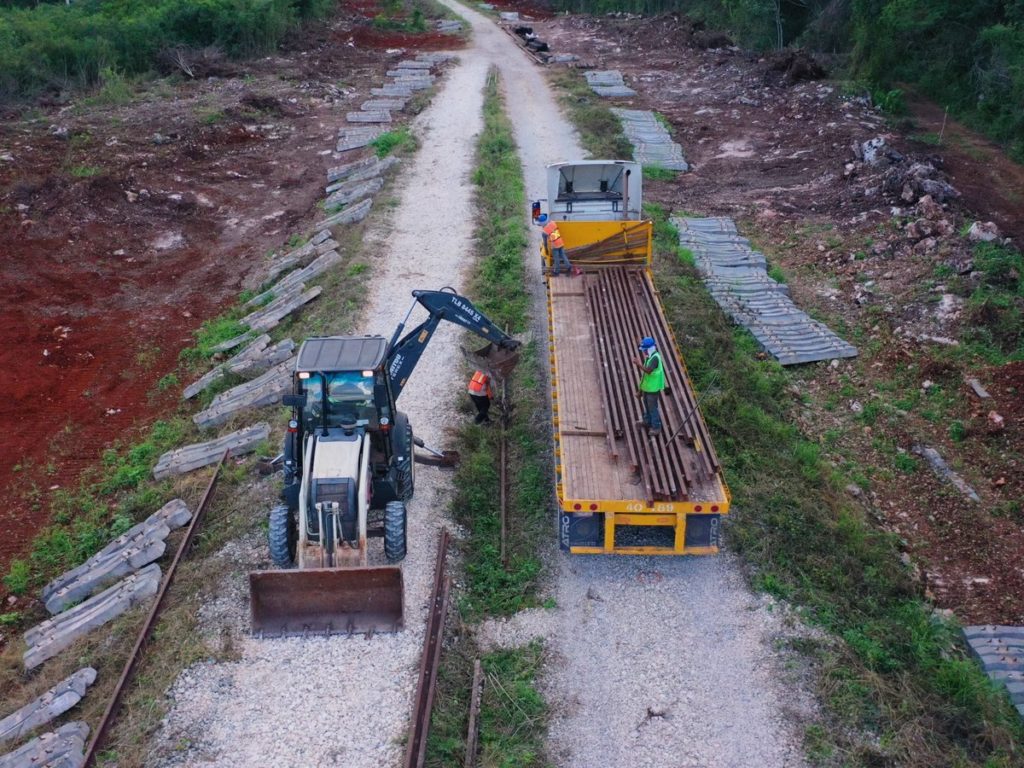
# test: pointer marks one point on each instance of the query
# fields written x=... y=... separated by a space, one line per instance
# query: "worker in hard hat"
x=480 y=392
x=555 y=244
x=652 y=382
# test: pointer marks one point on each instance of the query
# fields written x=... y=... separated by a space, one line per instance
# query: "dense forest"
x=967 y=55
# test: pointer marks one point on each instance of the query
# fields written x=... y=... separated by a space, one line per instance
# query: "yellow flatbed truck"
x=620 y=489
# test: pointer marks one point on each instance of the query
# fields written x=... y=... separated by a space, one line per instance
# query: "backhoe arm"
x=404 y=352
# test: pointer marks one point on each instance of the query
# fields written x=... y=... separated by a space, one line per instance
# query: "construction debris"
x=256 y=358
x=54 y=635
x=133 y=549
x=737 y=278
x=191 y=457
x=652 y=144
x=1000 y=650
x=63 y=748
x=263 y=390
x=941 y=468
x=55 y=702
x=608 y=83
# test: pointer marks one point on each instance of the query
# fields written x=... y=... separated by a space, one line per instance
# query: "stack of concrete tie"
x=736 y=276
x=51 y=704
x=652 y=144
x=608 y=83
x=138 y=546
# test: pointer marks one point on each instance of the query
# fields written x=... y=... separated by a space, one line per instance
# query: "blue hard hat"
x=647 y=343
x=542 y=219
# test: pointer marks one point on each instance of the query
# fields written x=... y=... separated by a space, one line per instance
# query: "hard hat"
x=647 y=343
x=542 y=219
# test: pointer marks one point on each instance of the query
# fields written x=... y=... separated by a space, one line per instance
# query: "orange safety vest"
x=480 y=384
x=554 y=236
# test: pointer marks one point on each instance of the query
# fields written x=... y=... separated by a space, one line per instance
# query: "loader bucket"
x=326 y=601
x=495 y=359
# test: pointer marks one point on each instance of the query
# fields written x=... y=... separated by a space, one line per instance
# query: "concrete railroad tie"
x=133 y=549
x=51 y=704
x=63 y=748
x=198 y=455
x=736 y=277
x=52 y=636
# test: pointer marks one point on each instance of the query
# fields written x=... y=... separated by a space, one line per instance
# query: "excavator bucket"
x=495 y=359
x=326 y=601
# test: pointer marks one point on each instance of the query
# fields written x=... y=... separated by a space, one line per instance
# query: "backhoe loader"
x=348 y=472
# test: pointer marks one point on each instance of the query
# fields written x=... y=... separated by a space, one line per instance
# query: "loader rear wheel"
x=282 y=535
x=395 y=519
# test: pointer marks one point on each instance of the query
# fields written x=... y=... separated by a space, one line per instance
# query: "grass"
x=657 y=173
x=398 y=141
x=600 y=130
x=513 y=714
x=898 y=684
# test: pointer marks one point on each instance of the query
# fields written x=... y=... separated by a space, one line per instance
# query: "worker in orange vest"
x=480 y=393
x=553 y=239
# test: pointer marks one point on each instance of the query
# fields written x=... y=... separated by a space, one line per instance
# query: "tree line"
x=967 y=55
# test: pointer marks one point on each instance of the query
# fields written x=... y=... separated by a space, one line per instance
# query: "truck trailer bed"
x=621 y=490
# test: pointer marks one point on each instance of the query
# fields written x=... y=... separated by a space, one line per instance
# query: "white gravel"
x=667 y=662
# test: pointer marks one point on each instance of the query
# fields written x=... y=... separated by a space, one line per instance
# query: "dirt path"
x=355 y=693
x=653 y=662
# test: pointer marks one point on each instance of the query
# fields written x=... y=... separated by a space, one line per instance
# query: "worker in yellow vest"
x=556 y=245
x=480 y=393
x=652 y=382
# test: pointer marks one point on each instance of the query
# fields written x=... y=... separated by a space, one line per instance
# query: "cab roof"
x=341 y=353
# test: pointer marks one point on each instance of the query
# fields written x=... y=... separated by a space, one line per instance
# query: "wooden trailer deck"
x=608 y=466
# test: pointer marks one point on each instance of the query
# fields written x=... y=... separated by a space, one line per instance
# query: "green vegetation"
x=994 y=319
x=512 y=713
x=657 y=173
x=600 y=130
x=210 y=334
x=897 y=672
x=98 y=42
x=967 y=56
x=397 y=141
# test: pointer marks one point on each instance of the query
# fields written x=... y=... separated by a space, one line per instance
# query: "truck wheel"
x=395 y=519
x=282 y=535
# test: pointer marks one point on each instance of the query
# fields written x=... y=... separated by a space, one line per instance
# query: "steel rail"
x=416 y=749
x=623 y=306
x=110 y=714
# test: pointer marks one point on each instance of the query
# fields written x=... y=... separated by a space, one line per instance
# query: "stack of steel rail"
x=626 y=247
x=624 y=309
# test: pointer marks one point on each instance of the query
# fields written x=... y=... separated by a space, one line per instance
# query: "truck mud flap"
x=326 y=601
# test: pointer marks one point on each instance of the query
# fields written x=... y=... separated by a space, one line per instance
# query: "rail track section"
x=620 y=489
x=416 y=748
x=142 y=641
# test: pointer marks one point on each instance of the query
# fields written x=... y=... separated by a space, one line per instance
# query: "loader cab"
x=340 y=382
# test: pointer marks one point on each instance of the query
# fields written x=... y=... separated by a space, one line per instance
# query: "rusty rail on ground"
x=110 y=714
x=416 y=749
x=624 y=309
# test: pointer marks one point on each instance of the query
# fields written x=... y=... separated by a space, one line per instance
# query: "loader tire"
x=395 y=519
x=282 y=535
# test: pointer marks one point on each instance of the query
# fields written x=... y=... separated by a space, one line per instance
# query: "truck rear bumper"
x=639 y=533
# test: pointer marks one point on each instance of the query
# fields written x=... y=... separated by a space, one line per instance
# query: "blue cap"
x=647 y=343
x=542 y=219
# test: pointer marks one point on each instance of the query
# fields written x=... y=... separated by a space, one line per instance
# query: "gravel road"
x=664 y=663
